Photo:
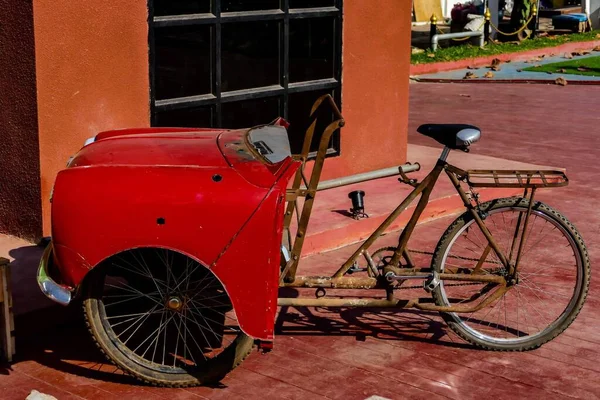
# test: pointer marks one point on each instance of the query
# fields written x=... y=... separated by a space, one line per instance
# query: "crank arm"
x=392 y=277
x=432 y=280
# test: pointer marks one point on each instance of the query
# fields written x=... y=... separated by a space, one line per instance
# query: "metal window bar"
x=217 y=62
x=151 y=62
x=245 y=94
x=181 y=20
x=285 y=62
x=216 y=18
x=245 y=16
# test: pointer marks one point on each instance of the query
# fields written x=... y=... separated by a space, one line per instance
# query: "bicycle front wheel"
x=552 y=277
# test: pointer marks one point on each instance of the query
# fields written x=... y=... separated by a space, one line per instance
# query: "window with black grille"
x=240 y=63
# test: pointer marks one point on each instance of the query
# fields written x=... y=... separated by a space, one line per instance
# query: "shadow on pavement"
x=362 y=323
x=57 y=337
x=26 y=294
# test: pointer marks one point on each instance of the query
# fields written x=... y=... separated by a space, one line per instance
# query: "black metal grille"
x=239 y=63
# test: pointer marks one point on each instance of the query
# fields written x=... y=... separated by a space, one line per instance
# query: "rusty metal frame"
x=302 y=187
x=516 y=179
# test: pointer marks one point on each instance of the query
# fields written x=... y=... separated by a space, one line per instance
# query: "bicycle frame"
x=529 y=180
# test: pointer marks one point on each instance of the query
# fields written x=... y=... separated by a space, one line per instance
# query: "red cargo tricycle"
x=177 y=241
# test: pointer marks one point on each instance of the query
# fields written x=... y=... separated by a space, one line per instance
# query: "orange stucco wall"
x=92 y=75
x=20 y=206
x=376 y=63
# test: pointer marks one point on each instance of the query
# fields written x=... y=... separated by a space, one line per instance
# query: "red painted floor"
x=355 y=354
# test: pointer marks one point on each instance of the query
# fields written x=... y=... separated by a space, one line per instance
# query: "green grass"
x=590 y=66
x=465 y=51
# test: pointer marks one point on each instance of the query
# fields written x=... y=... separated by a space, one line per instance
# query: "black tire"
x=123 y=345
x=471 y=327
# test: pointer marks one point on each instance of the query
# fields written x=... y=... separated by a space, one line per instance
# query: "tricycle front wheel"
x=163 y=318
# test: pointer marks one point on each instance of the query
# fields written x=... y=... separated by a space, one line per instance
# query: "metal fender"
x=101 y=211
x=249 y=266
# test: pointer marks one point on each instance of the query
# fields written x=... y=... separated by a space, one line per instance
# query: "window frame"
x=217 y=97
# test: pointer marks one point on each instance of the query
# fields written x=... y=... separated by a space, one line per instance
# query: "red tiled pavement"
x=354 y=354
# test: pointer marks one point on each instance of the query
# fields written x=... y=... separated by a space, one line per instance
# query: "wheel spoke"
x=200 y=326
x=168 y=267
x=202 y=307
x=185 y=341
x=220 y=295
x=130 y=319
x=133 y=290
x=187 y=277
x=110 y=296
x=182 y=316
x=133 y=297
x=184 y=311
x=156 y=340
x=141 y=321
x=178 y=326
x=201 y=290
x=147 y=269
x=150 y=335
x=125 y=315
x=137 y=272
x=212 y=320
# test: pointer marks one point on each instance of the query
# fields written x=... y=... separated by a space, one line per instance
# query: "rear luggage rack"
x=516 y=179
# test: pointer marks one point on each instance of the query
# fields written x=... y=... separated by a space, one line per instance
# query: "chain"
x=516 y=32
x=429 y=253
x=445 y=285
x=496 y=28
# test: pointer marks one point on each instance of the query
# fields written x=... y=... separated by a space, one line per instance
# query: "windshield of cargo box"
x=271 y=142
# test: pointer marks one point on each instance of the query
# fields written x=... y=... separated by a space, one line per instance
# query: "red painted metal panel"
x=228 y=216
x=102 y=210
x=157 y=149
x=138 y=131
x=249 y=268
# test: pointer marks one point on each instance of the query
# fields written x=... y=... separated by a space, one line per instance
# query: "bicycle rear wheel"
x=552 y=282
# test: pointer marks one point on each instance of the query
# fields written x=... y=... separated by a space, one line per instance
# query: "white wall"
x=447 y=7
x=592 y=9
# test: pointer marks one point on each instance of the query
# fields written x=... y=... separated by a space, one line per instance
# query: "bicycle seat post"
x=445 y=153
